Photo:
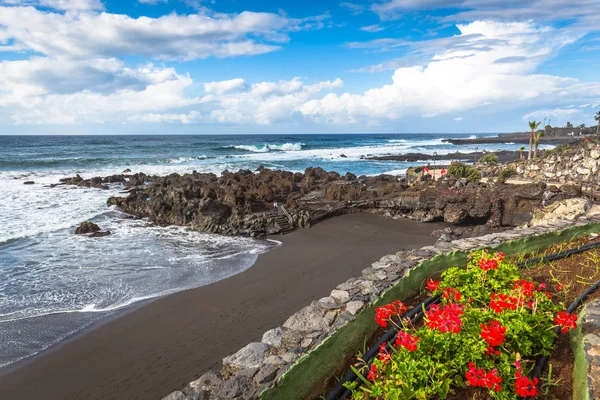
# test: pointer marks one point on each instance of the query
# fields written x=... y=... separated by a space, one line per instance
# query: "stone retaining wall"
x=580 y=164
x=586 y=346
x=259 y=365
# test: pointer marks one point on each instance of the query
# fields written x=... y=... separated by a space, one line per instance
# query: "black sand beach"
x=167 y=343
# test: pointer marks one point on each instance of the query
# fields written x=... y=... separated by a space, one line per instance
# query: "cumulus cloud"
x=222 y=87
x=264 y=102
x=151 y=90
x=169 y=37
x=464 y=76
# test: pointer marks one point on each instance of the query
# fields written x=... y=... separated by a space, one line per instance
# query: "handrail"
x=282 y=210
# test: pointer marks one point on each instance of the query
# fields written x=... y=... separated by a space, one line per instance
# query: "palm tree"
x=597 y=118
x=533 y=125
x=520 y=151
x=536 y=141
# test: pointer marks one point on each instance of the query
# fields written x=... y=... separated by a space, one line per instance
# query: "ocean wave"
x=267 y=147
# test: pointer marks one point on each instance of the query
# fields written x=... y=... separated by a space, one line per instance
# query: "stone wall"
x=258 y=365
x=587 y=353
x=579 y=164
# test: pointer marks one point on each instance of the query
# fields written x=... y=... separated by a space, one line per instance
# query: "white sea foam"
x=267 y=147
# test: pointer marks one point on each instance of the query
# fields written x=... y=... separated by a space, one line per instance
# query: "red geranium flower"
x=488 y=264
x=493 y=333
x=502 y=302
x=566 y=321
x=432 y=285
x=451 y=294
x=383 y=313
x=524 y=386
x=445 y=318
x=524 y=287
x=406 y=340
x=478 y=377
x=372 y=373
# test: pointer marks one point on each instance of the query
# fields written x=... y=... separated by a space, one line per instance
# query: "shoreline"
x=158 y=347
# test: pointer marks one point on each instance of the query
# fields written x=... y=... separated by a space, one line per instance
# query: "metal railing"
x=281 y=209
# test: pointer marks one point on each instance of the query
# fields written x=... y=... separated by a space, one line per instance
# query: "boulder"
x=87 y=227
x=309 y=319
x=273 y=337
x=250 y=356
x=28 y=183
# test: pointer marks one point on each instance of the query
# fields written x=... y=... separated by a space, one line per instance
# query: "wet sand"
x=163 y=345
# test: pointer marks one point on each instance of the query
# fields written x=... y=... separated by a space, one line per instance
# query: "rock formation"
x=242 y=203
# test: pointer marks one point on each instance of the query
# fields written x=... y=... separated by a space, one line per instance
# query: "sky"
x=265 y=66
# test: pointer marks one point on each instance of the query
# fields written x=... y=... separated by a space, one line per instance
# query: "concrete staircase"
x=284 y=223
x=283 y=220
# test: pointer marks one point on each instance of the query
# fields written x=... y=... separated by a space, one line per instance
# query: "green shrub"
x=489 y=158
x=507 y=173
x=460 y=170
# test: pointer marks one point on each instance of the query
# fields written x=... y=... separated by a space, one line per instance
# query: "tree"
x=581 y=126
x=520 y=151
x=597 y=118
x=536 y=141
x=548 y=129
x=533 y=125
x=569 y=125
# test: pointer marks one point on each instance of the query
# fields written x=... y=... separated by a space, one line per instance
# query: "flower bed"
x=483 y=337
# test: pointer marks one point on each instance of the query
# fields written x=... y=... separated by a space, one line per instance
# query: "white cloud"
x=66 y=5
x=148 y=89
x=222 y=87
x=372 y=28
x=458 y=118
x=464 y=76
x=585 y=12
x=558 y=115
x=169 y=37
x=153 y=118
x=263 y=103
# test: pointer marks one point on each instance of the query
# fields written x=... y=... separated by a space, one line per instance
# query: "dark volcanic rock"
x=28 y=183
x=100 y=234
x=242 y=203
x=87 y=227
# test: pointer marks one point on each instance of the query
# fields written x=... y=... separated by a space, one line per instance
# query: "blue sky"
x=240 y=66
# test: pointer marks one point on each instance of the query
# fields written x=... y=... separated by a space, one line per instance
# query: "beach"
x=160 y=347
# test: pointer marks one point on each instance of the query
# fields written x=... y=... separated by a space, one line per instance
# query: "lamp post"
x=476 y=150
x=434 y=157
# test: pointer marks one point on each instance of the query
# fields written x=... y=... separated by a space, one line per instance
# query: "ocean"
x=54 y=284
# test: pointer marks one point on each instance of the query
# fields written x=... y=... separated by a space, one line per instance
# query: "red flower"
x=432 y=285
x=566 y=321
x=443 y=171
x=451 y=294
x=425 y=169
x=525 y=387
x=478 y=377
x=524 y=287
x=406 y=340
x=383 y=313
x=500 y=256
x=559 y=287
x=488 y=264
x=491 y=351
x=493 y=333
x=372 y=373
x=445 y=318
x=502 y=302
x=383 y=355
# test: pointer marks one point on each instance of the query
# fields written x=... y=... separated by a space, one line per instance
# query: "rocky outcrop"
x=87 y=227
x=90 y=229
x=242 y=203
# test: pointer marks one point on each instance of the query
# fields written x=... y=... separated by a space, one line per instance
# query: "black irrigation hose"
x=542 y=360
x=339 y=392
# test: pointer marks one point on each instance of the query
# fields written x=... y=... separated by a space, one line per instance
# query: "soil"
x=566 y=279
